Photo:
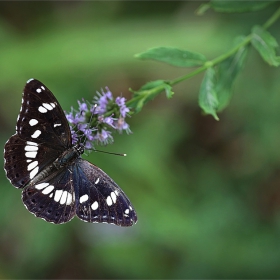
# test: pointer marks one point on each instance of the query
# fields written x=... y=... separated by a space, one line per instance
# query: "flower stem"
x=272 y=19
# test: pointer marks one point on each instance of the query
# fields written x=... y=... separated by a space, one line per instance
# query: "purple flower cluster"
x=94 y=123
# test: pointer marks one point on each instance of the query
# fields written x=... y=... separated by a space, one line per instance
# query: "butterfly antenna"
x=116 y=154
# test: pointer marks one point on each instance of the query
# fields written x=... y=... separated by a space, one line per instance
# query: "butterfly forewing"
x=41 y=118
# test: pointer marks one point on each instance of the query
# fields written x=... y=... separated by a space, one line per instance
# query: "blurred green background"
x=207 y=193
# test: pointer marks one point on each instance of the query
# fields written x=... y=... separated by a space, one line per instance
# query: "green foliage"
x=208 y=100
x=231 y=6
x=148 y=92
x=265 y=44
x=227 y=72
x=173 y=56
x=217 y=86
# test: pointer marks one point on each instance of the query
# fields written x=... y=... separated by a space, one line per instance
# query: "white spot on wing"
x=42 y=109
x=109 y=201
x=38 y=90
x=69 y=199
x=52 y=104
x=63 y=197
x=31 y=148
x=94 y=205
x=57 y=195
x=114 y=197
x=31 y=143
x=33 y=122
x=41 y=186
x=42 y=87
x=84 y=198
x=31 y=154
x=97 y=181
x=57 y=124
x=48 y=189
x=36 y=134
x=34 y=172
x=29 y=80
x=28 y=160
x=126 y=211
x=47 y=106
x=32 y=165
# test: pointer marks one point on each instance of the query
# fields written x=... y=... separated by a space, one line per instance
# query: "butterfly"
x=57 y=183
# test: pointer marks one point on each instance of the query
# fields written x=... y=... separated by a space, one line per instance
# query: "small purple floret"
x=82 y=106
x=120 y=101
x=91 y=124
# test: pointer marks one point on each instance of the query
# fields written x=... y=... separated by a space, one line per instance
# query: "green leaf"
x=136 y=103
x=139 y=105
x=233 y=6
x=168 y=91
x=226 y=73
x=148 y=92
x=151 y=85
x=208 y=100
x=154 y=84
x=265 y=44
x=173 y=56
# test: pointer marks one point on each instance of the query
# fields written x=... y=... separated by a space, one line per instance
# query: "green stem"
x=272 y=19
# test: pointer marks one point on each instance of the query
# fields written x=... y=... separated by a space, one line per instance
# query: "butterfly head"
x=79 y=148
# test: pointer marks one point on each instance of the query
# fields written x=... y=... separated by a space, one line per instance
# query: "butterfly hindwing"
x=99 y=198
x=82 y=189
x=52 y=199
